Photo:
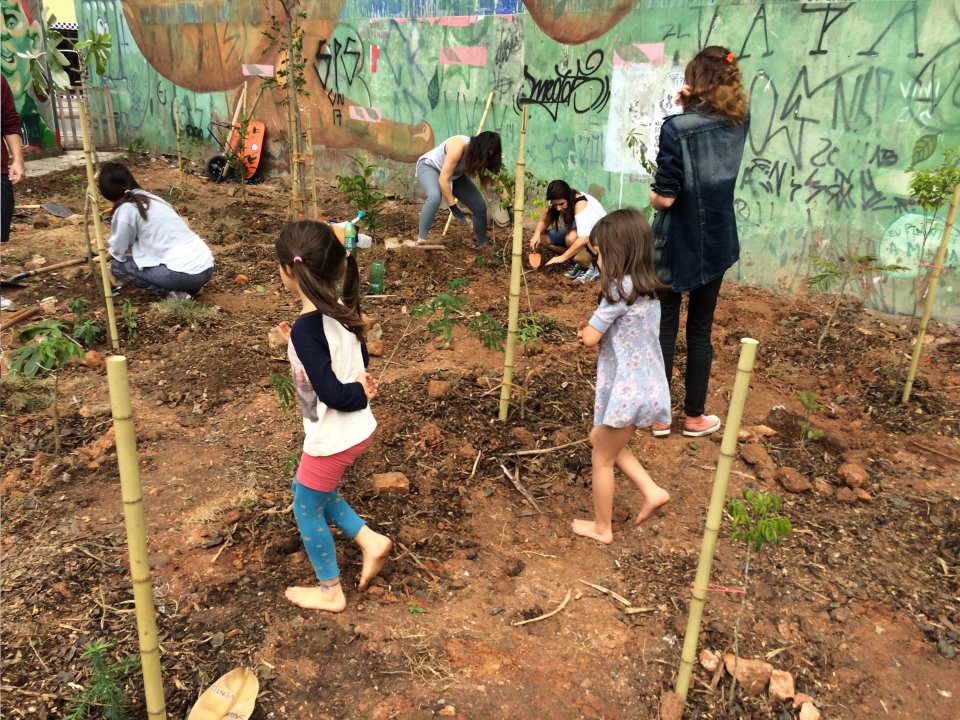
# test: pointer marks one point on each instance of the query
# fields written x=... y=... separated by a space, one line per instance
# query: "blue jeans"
x=463 y=189
x=703 y=302
x=314 y=511
x=159 y=279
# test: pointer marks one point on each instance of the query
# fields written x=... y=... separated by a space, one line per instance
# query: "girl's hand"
x=580 y=326
x=535 y=241
x=369 y=383
x=682 y=93
x=283 y=330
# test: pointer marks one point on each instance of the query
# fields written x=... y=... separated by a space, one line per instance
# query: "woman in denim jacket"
x=697 y=166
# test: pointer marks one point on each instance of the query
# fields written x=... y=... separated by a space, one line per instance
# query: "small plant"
x=810 y=405
x=104 y=698
x=85 y=330
x=756 y=521
x=633 y=140
x=531 y=329
x=292 y=461
x=49 y=348
x=362 y=193
x=452 y=311
x=415 y=609
x=842 y=269
x=186 y=312
x=286 y=393
x=504 y=185
x=138 y=146
x=128 y=316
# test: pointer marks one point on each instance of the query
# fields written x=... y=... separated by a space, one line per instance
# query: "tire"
x=215 y=166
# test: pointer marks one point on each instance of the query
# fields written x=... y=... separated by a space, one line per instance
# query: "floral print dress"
x=631 y=385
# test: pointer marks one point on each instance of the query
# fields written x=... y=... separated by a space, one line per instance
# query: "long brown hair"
x=484 y=154
x=560 y=190
x=310 y=252
x=117 y=184
x=625 y=241
x=714 y=80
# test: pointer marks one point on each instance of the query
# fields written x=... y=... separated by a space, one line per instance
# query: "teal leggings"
x=314 y=511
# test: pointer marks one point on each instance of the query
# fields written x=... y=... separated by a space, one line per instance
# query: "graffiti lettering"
x=909 y=8
x=581 y=89
x=192 y=131
x=761 y=16
x=831 y=13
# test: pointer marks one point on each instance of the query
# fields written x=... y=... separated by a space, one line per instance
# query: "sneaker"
x=179 y=295
x=573 y=271
x=589 y=275
x=658 y=429
x=700 y=426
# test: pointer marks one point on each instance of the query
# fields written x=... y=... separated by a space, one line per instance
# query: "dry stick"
x=12 y=319
x=475 y=463
x=546 y=615
x=608 y=591
x=541 y=451
x=396 y=347
x=637 y=611
x=948 y=456
x=416 y=561
x=515 y=479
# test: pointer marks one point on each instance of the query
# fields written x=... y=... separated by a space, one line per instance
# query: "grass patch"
x=242 y=492
x=27 y=395
x=184 y=312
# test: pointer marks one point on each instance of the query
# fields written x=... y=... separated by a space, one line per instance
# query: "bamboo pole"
x=133 y=515
x=515 y=270
x=728 y=453
x=313 y=167
x=176 y=119
x=928 y=301
x=483 y=119
x=94 y=196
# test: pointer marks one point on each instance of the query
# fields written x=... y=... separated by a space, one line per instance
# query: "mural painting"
x=841 y=94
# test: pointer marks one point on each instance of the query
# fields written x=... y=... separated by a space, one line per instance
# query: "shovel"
x=12 y=281
x=61 y=211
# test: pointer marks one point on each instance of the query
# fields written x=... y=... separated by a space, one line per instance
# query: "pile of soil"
x=860 y=603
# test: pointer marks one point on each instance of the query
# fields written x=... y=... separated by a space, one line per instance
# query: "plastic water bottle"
x=376 y=277
x=350 y=232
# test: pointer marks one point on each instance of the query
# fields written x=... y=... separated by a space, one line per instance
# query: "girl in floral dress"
x=632 y=390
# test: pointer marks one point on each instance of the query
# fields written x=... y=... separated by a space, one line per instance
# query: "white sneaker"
x=179 y=295
x=589 y=275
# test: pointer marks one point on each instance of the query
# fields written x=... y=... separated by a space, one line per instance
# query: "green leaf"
x=923 y=148
x=415 y=609
x=433 y=90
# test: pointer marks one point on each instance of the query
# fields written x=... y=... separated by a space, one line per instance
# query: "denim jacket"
x=697 y=164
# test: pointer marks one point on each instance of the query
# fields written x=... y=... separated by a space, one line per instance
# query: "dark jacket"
x=9 y=118
x=697 y=164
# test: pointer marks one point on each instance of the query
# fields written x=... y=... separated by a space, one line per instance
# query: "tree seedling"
x=452 y=310
x=128 y=315
x=287 y=395
x=841 y=269
x=104 y=698
x=362 y=193
x=755 y=520
x=810 y=405
x=85 y=330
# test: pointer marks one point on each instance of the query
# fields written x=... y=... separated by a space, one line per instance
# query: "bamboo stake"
x=313 y=166
x=133 y=514
x=94 y=196
x=928 y=302
x=176 y=118
x=483 y=119
x=728 y=452
x=515 y=270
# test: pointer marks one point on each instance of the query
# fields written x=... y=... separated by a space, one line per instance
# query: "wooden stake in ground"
x=94 y=196
x=515 y=270
x=176 y=122
x=133 y=515
x=931 y=291
x=313 y=167
x=483 y=119
x=728 y=452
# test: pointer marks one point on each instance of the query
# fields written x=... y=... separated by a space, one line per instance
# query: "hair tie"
x=729 y=57
x=297 y=258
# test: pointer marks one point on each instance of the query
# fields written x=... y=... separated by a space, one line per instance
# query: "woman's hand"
x=369 y=383
x=535 y=241
x=283 y=330
x=555 y=260
x=682 y=94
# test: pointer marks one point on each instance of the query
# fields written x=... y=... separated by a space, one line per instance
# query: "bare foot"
x=651 y=504
x=376 y=548
x=588 y=529
x=317 y=598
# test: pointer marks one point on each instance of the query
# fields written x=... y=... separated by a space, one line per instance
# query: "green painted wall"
x=842 y=93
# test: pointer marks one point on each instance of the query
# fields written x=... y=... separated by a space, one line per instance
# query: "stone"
x=862 y=495
x=35 y=263
x=762 y=431
x=375 y=348
x=793 y=481
x=276 y=341
x=241 y=279
x=709 y=659
x=801 y=698
x=93 y=360
x=781 y=686
x=809 y=712
x=467 y=452
x=437 y=388
x=854 y=475
x=95 y=452
x=671 y=706
x=376 y=332
x=448 y=711
x=753 y=675
x=822 y=487
x=755 y=454
x=391 y=483
x=392 y=243
x=430 y=436
x=524 y=438
x=846 y=496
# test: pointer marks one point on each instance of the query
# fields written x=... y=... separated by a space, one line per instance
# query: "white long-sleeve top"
x=164 y=238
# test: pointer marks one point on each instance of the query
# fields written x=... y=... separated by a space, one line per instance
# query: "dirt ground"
x=861 y=603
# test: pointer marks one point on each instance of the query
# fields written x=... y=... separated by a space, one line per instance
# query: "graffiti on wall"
x=23 y=35
x=840 y=93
